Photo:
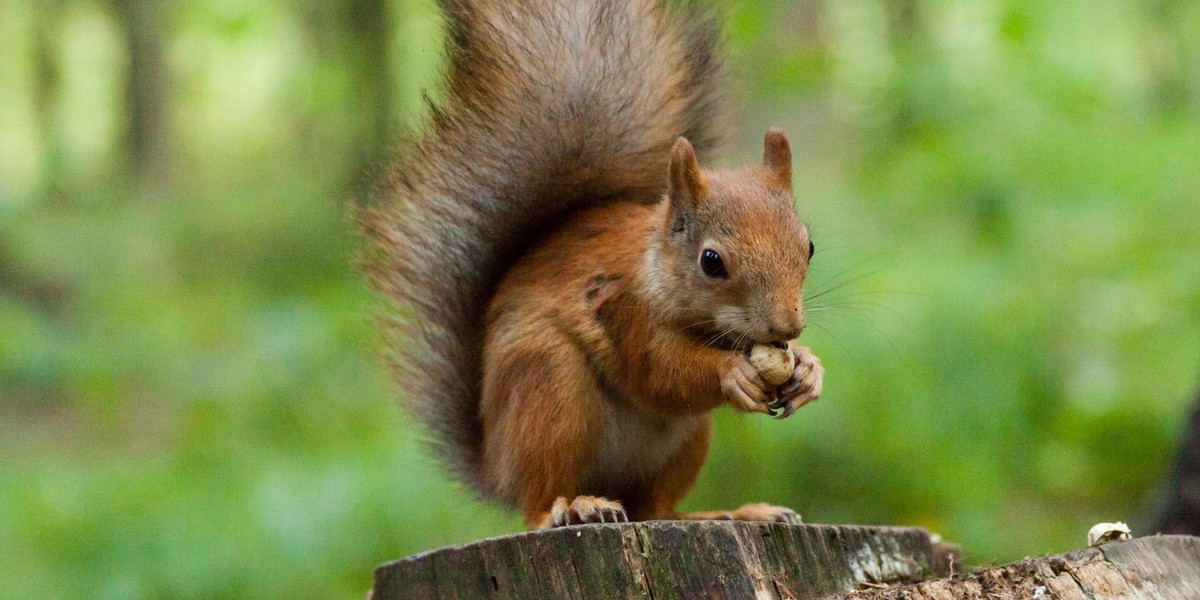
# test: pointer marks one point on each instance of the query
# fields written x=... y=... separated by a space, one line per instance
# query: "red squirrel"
x=572 y=295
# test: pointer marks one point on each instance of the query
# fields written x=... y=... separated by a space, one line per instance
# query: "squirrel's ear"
x=686 y=184
x=777 y=157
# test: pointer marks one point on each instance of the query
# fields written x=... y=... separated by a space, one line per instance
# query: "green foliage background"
x=190 y=402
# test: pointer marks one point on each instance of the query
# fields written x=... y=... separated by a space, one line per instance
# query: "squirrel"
x=570 y=294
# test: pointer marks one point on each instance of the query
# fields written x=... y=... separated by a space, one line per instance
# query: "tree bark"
x=665 y=559
x=692 y=560
x=1149 y=568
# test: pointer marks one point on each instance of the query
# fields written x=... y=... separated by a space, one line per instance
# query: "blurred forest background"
x=1005 y=196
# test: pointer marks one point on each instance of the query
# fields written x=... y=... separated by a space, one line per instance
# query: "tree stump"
x=689 y=560
x=1149 y=568
x=660 y=560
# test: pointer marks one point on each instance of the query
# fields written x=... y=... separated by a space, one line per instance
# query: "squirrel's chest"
x=636 y=446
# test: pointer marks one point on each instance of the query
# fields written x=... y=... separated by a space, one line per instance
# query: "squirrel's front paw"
x=743 y=387
x=804 y=385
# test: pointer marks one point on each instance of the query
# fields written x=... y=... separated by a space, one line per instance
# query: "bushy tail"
x=548 y=106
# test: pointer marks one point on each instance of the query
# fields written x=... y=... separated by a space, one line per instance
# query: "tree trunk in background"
x=906 y=39
x=904 y=19
x=1167 y=58
x=369 y=27
x=145 y=89
x=1178 y=509
x=810 y=19
x=46 y=86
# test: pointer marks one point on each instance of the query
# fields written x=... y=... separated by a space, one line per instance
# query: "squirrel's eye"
x=711 y=264
x=811 y=249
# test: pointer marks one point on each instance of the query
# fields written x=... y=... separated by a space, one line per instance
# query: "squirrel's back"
x=548 y=106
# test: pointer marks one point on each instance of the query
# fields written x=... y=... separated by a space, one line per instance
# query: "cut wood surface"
x=1149 y=568
x=662 y=560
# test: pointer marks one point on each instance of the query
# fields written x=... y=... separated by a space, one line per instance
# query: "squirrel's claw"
x=586 y=509
x=804 y=386
x=783 y=514
x=615 y=515
x=761 y=511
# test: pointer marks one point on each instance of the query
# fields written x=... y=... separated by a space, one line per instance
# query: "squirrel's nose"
x=787 y=332
x=788 y=327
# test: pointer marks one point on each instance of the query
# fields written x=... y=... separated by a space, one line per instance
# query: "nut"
x=774 y=364
x=1107 y=532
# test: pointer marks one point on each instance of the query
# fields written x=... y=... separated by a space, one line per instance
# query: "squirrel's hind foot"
x=584 y=509
x=761 y=511
x=755 y=511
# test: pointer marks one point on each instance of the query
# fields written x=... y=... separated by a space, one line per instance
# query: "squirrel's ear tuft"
x=685 y=185
x=777 y=157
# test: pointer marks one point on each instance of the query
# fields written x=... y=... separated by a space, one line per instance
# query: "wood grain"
x=1149 y=568
x=663 y=560
x=697 y=560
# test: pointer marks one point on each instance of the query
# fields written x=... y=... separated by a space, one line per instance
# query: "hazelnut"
x=1107 y=532
x=774 y=364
